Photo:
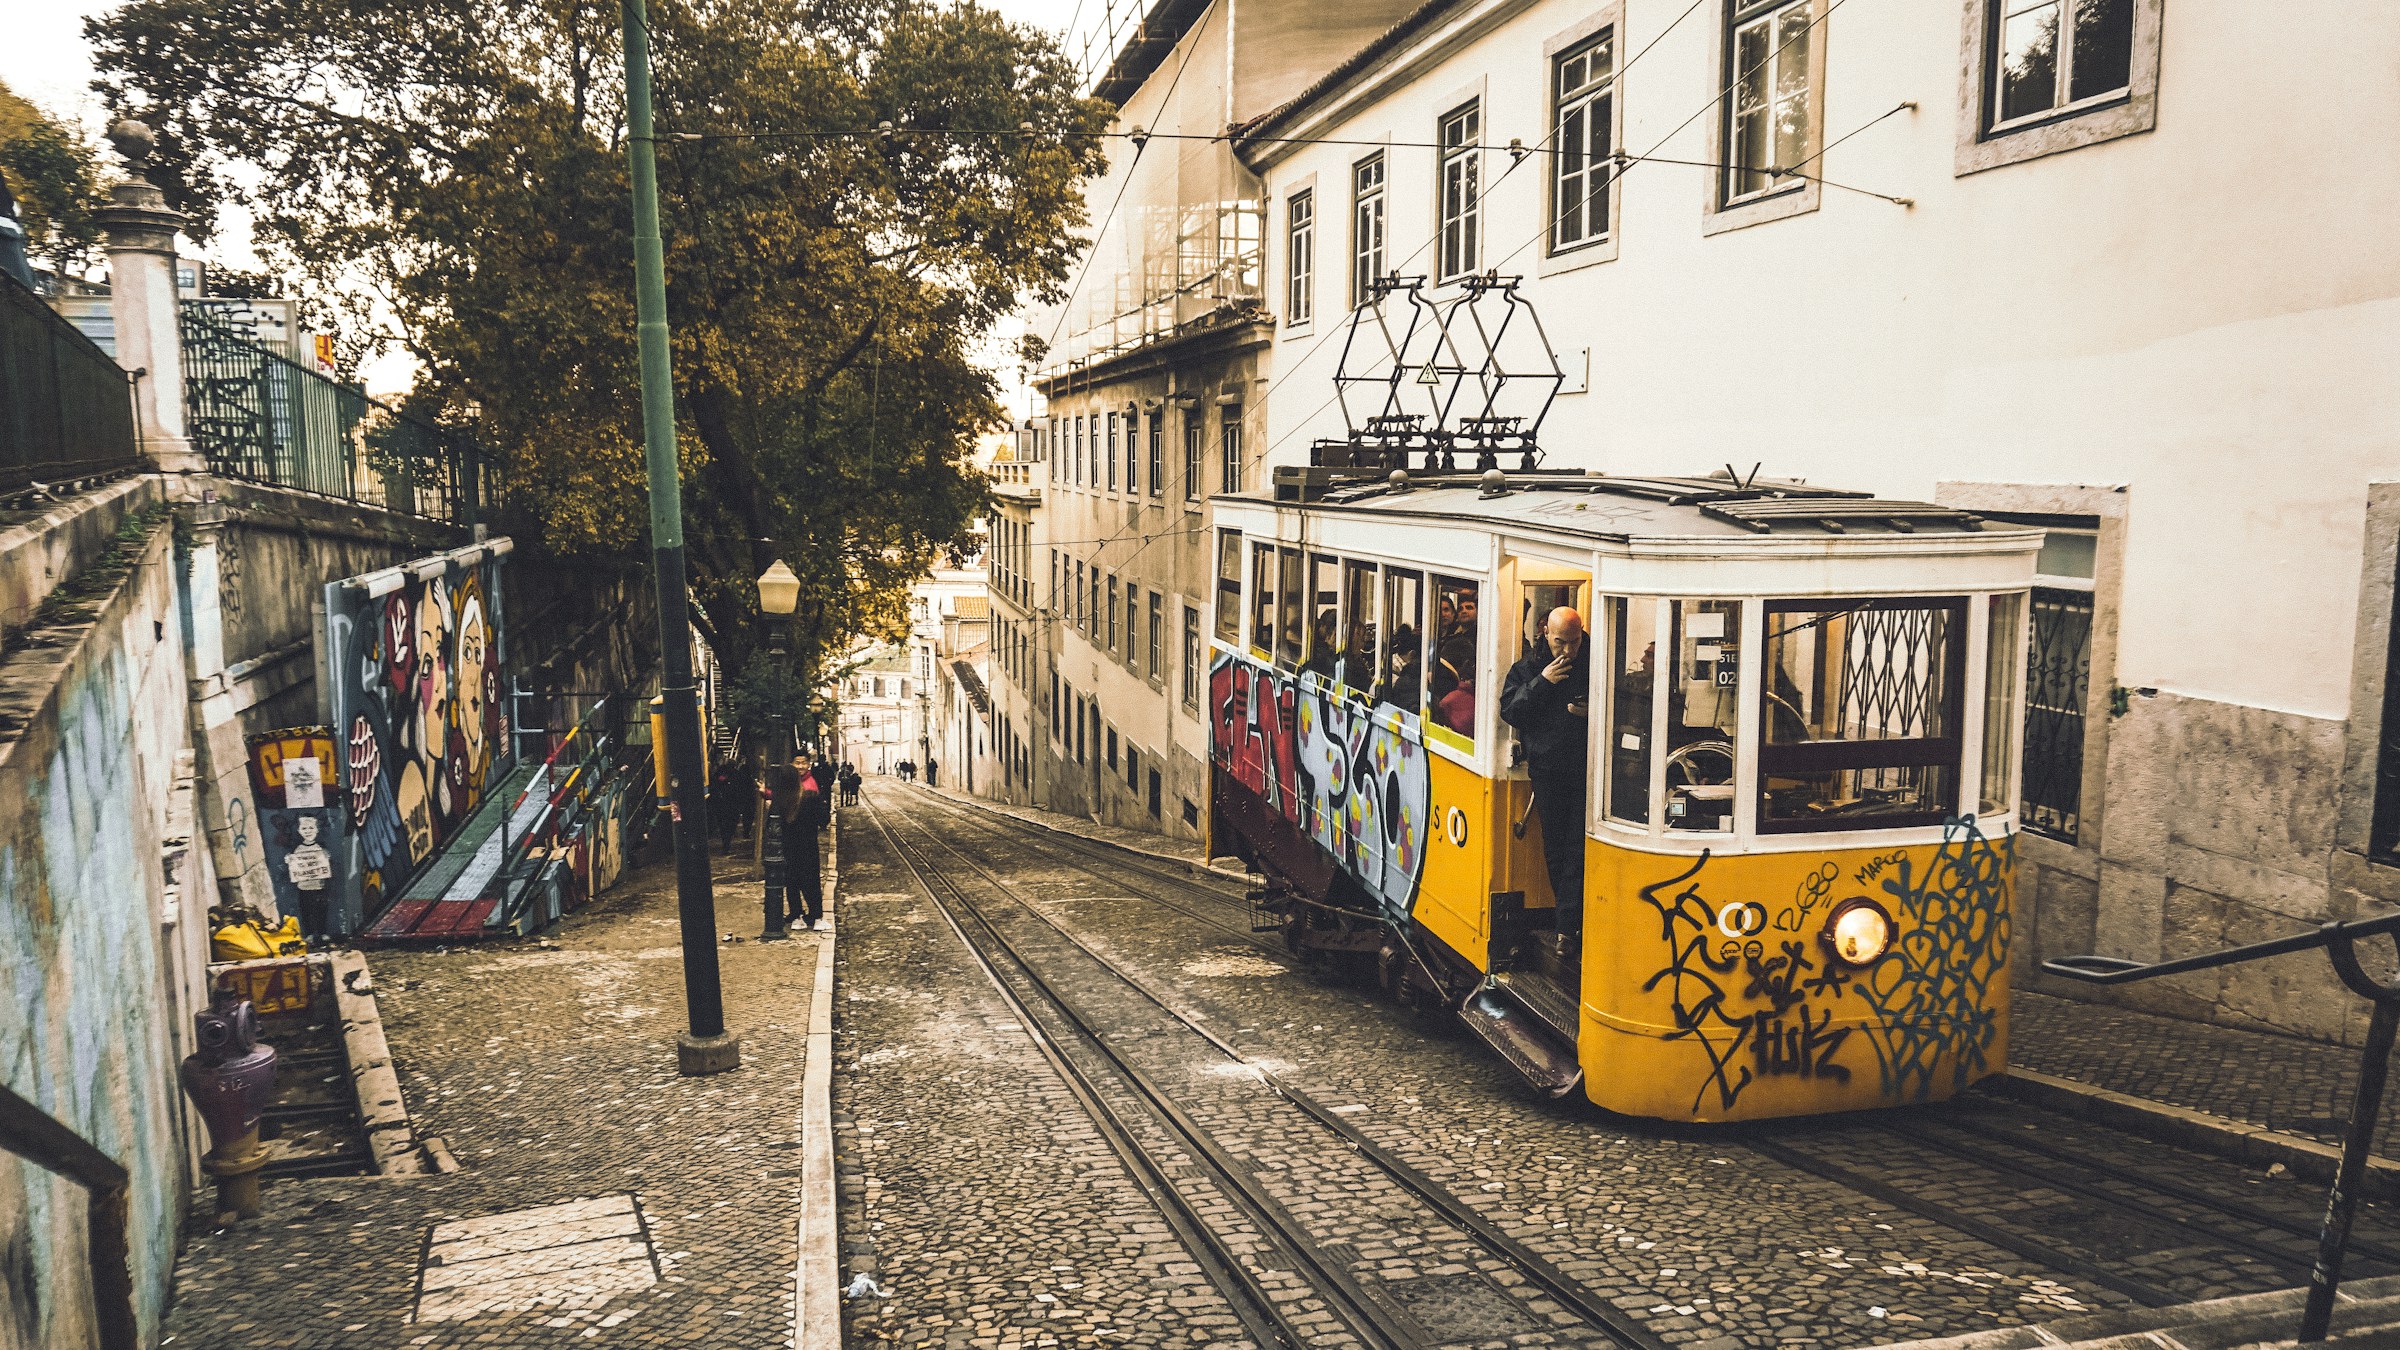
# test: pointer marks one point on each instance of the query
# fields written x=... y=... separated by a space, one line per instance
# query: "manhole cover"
x=1460 y=1307
x=579 y=1254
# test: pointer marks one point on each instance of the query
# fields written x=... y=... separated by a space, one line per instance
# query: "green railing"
x=66 y=409
x=255 y=414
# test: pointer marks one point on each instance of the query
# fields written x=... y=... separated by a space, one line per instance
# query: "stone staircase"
x=2368 y=1314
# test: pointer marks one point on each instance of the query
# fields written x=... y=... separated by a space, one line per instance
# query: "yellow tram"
x=1800 y=737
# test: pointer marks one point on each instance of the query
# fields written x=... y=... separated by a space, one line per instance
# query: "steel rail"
x=1371 y=1323
x=2033 y=1249
x=1984 y=1158
x=2265 y=1218
x=1576 y=1296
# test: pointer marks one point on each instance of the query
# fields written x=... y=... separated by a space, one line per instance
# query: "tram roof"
x=1608 y=506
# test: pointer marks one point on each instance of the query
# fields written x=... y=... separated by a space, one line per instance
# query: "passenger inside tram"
x=1323 y=637
x=1403 y=687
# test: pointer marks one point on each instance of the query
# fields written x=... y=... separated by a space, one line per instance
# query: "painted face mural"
x=1353 y=781
x=419 y=744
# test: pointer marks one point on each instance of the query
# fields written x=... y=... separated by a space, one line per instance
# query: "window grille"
x=2058 y=672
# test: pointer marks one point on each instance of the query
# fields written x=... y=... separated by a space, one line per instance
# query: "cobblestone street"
x=601 y=1199
x=1703 y=1239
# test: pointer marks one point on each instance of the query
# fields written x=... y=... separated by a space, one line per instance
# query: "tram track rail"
x=2104 y=1185
x=1370 y=1317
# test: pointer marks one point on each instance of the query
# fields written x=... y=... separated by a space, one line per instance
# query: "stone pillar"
x=140 y=240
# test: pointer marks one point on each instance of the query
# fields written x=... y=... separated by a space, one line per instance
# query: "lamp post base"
x=698 y=1056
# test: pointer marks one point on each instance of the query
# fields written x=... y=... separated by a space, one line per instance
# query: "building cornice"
x=1222 y=333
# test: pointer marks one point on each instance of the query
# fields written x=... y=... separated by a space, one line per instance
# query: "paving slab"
x=602 y=1199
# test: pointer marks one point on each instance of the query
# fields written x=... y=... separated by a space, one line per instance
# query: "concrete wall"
x=2203 y=315
x=101 y=971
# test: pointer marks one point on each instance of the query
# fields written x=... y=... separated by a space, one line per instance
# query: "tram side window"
x=1324 y=614
x=1229 y=587
x=1402 y=684
x=1450 y=676
x=1295 y=609
x=1633 y=694
x=2001 y=687
x=1262 y=599
x=1358 y=636
x=1703 y=698
x=1861 y=714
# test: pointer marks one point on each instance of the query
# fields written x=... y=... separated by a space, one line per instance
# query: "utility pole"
x=706 y=1047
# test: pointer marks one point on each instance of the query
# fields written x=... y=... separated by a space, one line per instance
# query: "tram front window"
x=1860 y=714
x=1703 y=702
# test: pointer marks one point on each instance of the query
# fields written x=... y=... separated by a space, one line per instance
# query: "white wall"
x=2205 y=312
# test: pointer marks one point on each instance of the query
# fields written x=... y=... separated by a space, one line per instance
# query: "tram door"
x=1540 y=588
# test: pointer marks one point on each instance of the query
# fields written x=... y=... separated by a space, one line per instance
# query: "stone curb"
x=816 y=1295
x=381 y=1109
x=1197 y=869
x=2226 y=1138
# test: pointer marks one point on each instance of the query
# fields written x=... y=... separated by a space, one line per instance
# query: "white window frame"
x=1583 y=99
x=1804 y=191
x=1458 y=192
x=1368 y=224
x=1985 y=142
x=1300 y=258
x=1743 y=16
x=2064 y=69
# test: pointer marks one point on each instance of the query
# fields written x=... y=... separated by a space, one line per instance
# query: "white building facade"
x=2107 y=267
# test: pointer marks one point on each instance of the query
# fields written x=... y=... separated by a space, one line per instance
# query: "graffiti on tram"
x=1755 y=992
x=1319 y=756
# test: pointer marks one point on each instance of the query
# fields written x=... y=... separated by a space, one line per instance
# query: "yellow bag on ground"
x=251 y=940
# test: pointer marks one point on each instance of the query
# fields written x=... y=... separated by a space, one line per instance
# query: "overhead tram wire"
x=1050 y=612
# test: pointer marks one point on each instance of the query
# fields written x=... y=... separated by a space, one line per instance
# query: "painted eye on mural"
x=1858 y=932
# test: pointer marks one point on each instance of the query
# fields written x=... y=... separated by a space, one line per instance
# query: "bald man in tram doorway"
x=1547 y=699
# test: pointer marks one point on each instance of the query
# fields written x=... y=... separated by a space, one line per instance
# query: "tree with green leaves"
x=854 y=193
x=55 y=174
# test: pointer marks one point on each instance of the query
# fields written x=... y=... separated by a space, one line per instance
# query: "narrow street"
x=1714 y=1238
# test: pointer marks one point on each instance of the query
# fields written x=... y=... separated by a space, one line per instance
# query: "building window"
x=1081 y=746
x=1366 y=227
x=1300 y=304
x=1133 y=448
x=1461 y=192
x=1158 y=464
x=1229 y=428
x=2039 y=71
x=1154 y=794
x=1191 y=456
x=1077 y=477
x=1158 y=636
x=1584 y=97
x=1112 y=747
x=1133 y=765
x=1111 y=453
x=1770 y=120
x=1191 y=655
x=2058 y=679
x=1112 y=616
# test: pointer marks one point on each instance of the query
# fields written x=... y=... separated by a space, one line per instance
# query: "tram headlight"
x=1858 y=931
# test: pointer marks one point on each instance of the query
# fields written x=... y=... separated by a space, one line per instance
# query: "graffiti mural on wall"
x=300 y=820
x=1752 y=987
x=415 y=675
x=1318 y=755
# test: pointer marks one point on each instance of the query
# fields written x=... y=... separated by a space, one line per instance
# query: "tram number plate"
x=1727 y=675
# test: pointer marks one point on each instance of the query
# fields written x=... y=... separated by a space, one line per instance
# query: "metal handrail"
x=2339 y=941
x=39 y=1138
x=513 y=855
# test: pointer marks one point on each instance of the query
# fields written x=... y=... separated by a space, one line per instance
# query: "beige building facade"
x=2114 y=269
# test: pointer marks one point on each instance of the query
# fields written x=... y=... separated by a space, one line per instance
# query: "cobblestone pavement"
x=975 y=1194
x=549 y=1069
x=2258 y=1077
x=1708 y=1242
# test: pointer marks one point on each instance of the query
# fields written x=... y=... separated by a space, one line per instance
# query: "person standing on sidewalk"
x=803 y=864
x=724 y=807
x=932 y=767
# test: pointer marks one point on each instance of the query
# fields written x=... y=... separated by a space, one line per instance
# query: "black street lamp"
x=778 y=596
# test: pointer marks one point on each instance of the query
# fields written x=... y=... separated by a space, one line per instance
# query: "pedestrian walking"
x=931 y=767
x=726 y=809
x=1546 y=698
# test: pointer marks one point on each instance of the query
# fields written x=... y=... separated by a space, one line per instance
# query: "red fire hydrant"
x=230 y=1078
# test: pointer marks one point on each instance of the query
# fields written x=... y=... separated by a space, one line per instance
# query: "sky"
x=45 y=59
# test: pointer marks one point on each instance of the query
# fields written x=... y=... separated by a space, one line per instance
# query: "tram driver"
x=1547 y=699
